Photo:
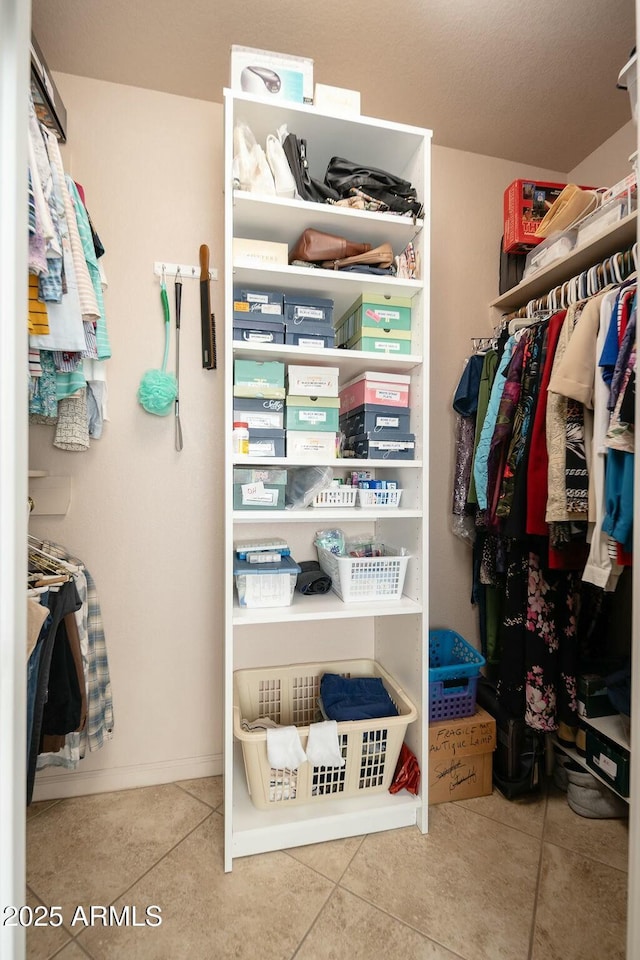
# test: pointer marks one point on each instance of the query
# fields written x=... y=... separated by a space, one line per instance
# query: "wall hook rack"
x=187 y=271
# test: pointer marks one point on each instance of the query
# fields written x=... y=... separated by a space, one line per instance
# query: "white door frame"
x=15 y=26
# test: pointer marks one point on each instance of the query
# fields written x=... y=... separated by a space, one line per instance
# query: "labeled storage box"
x=380 y=389
x=374 y=311
x=304 y=445
x=266 y=584
x=259 y=488
x=259 y=413
x=310 y=335
x=381 y=341
x=288 y=695
x=370 y=447
x=299 y=309
x=266 y=443
x=593 y=700
x=256 y=378
x=274 y=76
x=257 y=328
x=259 y=253
x=308 y=381
x=313 y=413
x=460 y=757
x=371 y=418
x=609 y=760
x=526 y=202
x=355 y=579
x=258 y=301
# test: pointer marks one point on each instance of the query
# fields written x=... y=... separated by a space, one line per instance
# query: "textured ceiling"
x=529 y=81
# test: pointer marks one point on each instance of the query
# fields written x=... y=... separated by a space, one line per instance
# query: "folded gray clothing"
x=262 y=723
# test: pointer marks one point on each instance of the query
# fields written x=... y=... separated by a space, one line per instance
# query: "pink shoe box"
x=382 y=389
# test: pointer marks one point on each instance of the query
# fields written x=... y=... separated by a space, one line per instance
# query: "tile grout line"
x=152 y=867
x=399 y=920
x=502 y=822
x=79 y=946
x=534 y=917
x=314 y=921
x=189 y=794
x=52 y=804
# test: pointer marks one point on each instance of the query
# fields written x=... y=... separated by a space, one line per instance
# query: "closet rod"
x=613 y=269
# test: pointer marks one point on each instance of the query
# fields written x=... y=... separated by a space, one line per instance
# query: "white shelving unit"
x=323 y=628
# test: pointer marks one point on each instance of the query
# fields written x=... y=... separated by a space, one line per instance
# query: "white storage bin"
x=365 y=578
x=266 y=585
x=343 y=496
x=379 y=498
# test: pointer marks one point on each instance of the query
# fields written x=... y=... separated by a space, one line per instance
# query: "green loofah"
x=159 y=389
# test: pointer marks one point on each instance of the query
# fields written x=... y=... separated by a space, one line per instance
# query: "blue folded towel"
x=355 y=698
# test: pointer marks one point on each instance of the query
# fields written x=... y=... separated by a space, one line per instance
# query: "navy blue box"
x=371 y=418
x=266 y=443
x=371 y=447
x=297 y=309
x=259 y=413
x=309 y=333
x=257 y=328
x=261 y=301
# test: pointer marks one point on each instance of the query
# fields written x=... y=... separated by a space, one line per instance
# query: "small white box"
x=311 y=446
x=259 y=253
x=313 y=381
x=337 y=100
x=628 y=80
x=274 y=76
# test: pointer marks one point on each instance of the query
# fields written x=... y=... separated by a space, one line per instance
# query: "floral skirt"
x=537 y=673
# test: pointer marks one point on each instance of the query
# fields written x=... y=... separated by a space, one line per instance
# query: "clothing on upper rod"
x=68 y=337
x=547 y=427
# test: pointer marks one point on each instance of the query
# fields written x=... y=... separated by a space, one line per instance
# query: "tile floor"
x=493 y=880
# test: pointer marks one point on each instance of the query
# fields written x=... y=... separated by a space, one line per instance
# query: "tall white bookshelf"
x=324 y=628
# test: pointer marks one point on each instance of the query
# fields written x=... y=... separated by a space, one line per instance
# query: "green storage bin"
x=313 y=413
x=374 y=310
x=274 y=483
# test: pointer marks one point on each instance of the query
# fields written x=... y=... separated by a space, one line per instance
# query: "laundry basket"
x=288 y=695
x=365 y=578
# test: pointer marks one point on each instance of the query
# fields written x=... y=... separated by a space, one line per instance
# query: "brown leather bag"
x=314 y=247
x=381 y=256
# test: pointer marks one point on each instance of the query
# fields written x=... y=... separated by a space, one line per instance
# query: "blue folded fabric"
x=355 y=698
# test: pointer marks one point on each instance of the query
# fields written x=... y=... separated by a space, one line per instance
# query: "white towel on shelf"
x=323 y=749
x=284 y=749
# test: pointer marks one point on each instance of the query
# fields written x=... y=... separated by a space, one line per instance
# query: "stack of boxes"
x=265 y=573
x=376 y=323
x=308 y=321
x=312 y=412
x=258 y=402
x=462 y=736
x=268 y=316
x=374 y=417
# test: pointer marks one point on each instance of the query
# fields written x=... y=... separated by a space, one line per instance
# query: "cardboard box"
x=379 y=389
x=461 y=757
x=274 y=76
x=313 y=414
x=254 y=378
x=525 y=204
x=311 y=446
x=307 y=381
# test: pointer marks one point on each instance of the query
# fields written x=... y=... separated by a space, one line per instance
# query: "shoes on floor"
x=589 y=798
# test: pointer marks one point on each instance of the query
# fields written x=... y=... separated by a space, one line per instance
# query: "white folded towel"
x=284 y=749
x=323 y=749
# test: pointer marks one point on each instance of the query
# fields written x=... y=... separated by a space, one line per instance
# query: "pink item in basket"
x=381 y=389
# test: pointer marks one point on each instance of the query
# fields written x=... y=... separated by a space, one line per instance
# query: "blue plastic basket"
x=452 y=699
x=451 y=657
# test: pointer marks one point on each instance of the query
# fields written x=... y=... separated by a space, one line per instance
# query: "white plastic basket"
x=288 y=695
x=343 y=496
x=379 y=498
x=365 y=578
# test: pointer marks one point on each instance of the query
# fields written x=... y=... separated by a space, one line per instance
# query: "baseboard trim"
x=56 y=783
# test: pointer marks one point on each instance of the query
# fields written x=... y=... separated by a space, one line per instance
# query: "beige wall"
x=147 y=520
x=467 y=192
x=610 y=162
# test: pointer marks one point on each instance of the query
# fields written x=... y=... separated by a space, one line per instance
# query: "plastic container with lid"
x=241 y=438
